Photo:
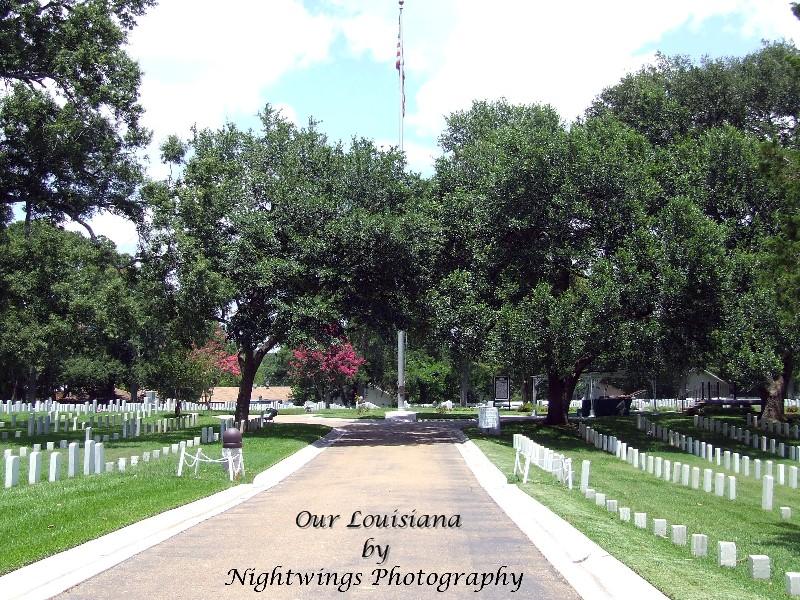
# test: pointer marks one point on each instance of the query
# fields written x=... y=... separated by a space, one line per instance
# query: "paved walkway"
x=374 y=468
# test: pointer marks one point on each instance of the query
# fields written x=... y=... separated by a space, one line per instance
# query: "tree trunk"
x=248 y=366
x=134 y=389
x=773 y=394
x=524 y=389
x=557 y=402
x=465 y=382
x=30 y=388
x=177 y=404
x=560 y=390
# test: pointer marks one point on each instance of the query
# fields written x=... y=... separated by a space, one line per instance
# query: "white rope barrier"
x=233 y=458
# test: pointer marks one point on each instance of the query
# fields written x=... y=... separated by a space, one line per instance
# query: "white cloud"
x=204 y=63
x=288 y=112
x=419 y=157
x=562 y=53
x=118 y=229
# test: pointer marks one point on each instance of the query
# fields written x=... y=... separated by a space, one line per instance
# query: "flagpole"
x=401 y=335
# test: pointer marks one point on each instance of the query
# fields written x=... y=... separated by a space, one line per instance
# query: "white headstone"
x=719 y=484
x=766 y=493
x=55 y=465
x=793 y=583
x=12 y=471
x=88 y=457
x=99 y=458
x=758 y=566
x=585 y=470
x=660 y=527
x=699 y=544
x=640 y=520
x=707 y=480
x=695 y=478
x=624 y=514
x=731 y=487
x=679 y=535
x=35 y=467
x=72 y=459
x=726 y=554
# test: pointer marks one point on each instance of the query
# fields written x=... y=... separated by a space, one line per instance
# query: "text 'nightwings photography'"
x=473 y=581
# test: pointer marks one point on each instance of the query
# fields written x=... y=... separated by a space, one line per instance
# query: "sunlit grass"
x=670 y=568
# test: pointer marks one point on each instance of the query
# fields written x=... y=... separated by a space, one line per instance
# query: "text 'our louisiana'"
x=393 y=520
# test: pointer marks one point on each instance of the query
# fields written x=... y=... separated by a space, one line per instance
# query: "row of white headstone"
x=131 y=424
x=661 y=403
x=148 y=406
x=688 y=476
x=726 y=458
x=759 y=442
x=93 y=458
x=528 y=452
x=661 y=468
x=115 y=406
x=773 y=427
x=758 y=565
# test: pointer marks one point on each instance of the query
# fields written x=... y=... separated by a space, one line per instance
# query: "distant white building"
x=378 y=396
x=701 y=383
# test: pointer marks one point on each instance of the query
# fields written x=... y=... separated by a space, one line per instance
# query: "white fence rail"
x=527 y=451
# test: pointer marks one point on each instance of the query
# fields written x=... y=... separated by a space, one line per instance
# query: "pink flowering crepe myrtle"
x=332 y=367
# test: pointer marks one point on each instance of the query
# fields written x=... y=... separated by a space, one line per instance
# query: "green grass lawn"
x=670 y=568
x=37 y=521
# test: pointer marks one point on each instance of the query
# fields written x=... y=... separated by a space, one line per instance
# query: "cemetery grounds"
x=48 y=517
x=671 y=568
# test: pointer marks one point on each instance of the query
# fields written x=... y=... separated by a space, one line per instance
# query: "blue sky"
x=334 y=60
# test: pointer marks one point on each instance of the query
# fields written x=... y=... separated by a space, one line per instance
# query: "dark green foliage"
x=69 y=127
x=67 y=316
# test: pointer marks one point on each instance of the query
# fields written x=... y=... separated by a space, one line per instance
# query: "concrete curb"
x=57 y=573
x=590 y=570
